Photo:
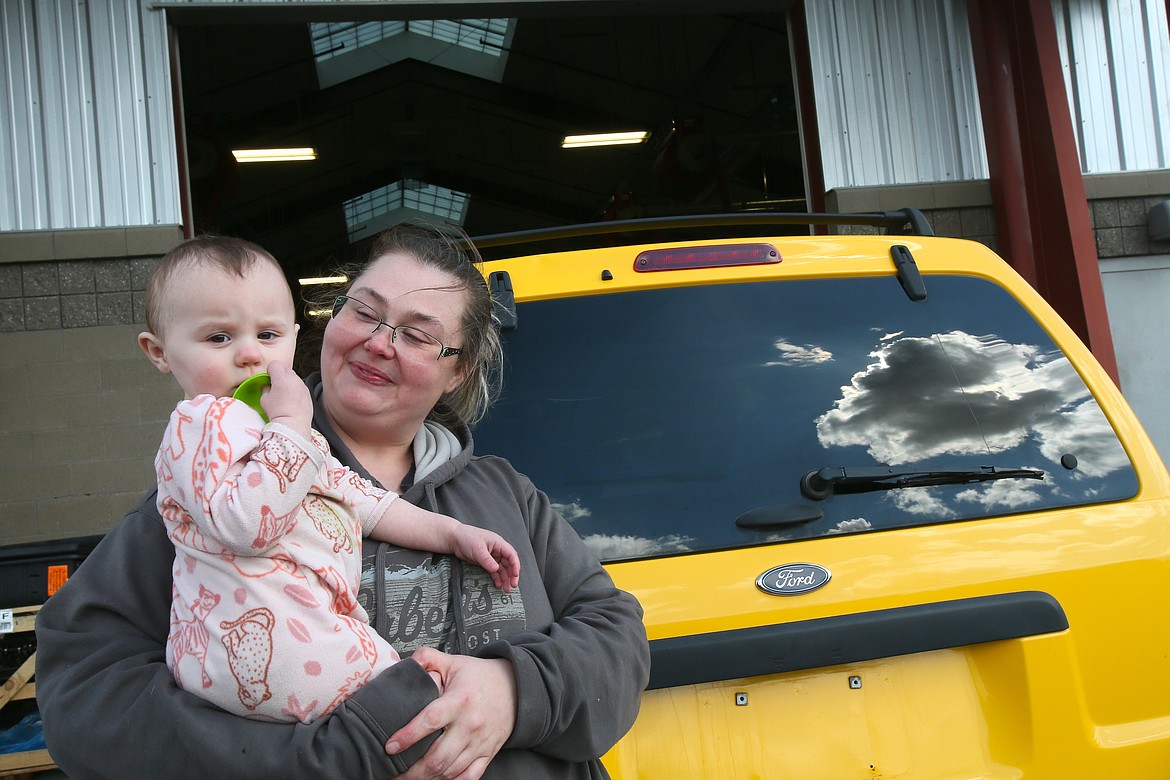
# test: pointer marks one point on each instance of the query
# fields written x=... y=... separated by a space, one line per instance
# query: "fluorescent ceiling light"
x=274 y=155
x=604 y=139
x=323 y=280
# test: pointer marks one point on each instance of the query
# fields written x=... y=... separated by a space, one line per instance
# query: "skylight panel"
x=482 y=35
x=346 y=50
x=386 y=206
x=331 y=39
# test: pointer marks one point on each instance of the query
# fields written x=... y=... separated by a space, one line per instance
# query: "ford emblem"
x=792 y=579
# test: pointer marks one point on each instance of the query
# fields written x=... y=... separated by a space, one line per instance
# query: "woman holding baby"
x=536 y=683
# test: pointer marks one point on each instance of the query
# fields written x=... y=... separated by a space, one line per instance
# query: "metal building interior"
x=471 y=117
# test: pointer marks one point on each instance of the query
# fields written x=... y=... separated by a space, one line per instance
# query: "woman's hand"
x=477 y=709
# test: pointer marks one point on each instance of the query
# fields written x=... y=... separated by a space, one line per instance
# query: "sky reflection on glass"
x=653 y=419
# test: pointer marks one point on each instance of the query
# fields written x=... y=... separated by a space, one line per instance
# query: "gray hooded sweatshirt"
x=111 y=708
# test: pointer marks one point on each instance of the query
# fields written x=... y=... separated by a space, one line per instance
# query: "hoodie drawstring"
x=380 y=625
x=457 y=642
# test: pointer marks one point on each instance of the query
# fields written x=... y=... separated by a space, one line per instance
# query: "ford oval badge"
x=792 y=579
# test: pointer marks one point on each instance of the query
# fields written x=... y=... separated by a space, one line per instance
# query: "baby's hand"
x=288 y=400
x=491 y=552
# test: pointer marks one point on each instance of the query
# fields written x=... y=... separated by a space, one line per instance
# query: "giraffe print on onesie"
x=267 y=526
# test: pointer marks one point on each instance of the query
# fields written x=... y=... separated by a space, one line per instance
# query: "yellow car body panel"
x=1004 y=686
x=1089 y=701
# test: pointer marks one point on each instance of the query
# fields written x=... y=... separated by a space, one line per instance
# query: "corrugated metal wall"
x=895 y=92
x=87 y=136
x=897 y=100
x=1116 y=56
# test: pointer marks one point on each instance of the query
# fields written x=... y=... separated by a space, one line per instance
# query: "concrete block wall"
x=1121 y=226
x=954 y=209
x=1119 y=206
x=81 y=409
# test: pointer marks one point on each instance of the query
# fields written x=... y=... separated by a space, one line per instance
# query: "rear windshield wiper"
x=819 y=485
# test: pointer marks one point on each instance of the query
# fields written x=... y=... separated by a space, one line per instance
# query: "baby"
x=267 y=525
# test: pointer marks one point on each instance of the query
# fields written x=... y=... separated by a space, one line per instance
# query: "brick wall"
x=81 y=409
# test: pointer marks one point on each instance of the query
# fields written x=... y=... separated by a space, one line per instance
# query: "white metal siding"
x=87 y=136
x=895 y=92
x=1116 y=58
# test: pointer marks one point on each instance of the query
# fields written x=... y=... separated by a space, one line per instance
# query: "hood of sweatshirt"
x=439 y=453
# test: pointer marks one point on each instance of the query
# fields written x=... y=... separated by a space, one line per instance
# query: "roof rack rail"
x=908 y=221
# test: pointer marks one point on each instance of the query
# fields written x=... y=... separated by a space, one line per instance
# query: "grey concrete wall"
x=81 y=409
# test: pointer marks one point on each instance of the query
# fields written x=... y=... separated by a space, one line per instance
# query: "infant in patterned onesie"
x=267 y=525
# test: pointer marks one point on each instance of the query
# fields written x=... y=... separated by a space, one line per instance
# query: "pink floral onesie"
x=267 y=528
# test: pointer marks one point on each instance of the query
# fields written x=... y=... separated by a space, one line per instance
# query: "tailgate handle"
x=778 y=516
x=843 y=639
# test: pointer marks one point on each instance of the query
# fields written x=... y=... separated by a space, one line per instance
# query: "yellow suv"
x=887 y=516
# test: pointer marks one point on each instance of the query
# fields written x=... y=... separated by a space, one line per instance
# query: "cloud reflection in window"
x=1084 y=431
x=961 y=394
x=921 y=501
x=613 y=547
x=851 y=526
x=1008 y=494
x=571 y=511
x=798 y=354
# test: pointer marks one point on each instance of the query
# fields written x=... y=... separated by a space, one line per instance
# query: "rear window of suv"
x=654 y=419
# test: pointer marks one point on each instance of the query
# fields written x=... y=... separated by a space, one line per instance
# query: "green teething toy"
x=250 y=391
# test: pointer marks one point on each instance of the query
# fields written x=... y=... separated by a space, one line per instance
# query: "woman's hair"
x=449 y=249
x=232 y=256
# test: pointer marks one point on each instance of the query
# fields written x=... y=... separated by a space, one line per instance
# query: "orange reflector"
x=682 y=258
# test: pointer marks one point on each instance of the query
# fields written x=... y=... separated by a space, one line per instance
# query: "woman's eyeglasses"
x=356 y=316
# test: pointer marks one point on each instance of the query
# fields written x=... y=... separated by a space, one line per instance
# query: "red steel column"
x=1042 y=213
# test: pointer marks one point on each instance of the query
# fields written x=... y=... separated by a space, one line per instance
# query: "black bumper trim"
x=864 y=636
